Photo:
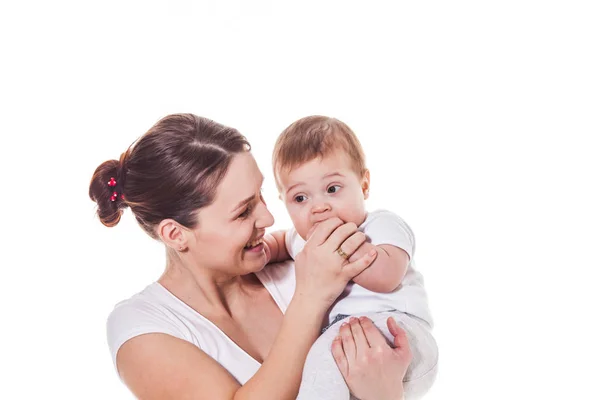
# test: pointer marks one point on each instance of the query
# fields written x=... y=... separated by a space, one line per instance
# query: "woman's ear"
x=366 y=183
x=172 y=234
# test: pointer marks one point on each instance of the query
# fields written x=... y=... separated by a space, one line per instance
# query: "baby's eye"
x=300 y=198
x=333 y=188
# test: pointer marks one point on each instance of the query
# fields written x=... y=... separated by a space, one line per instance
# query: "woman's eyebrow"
x=247 y=199
x=243 y=203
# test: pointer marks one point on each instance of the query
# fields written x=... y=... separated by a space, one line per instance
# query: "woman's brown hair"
x=172 y=171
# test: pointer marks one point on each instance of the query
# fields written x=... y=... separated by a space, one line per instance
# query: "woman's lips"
x=256 y=249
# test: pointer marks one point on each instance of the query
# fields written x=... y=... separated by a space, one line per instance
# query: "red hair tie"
x=112 y=183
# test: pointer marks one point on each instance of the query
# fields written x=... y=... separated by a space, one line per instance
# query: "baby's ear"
x=366 y=184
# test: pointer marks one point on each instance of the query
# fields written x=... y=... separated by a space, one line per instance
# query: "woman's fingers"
x=356 y=267
x=372 y=334
x=393 y=326
x=350 y=245
x=375 y=371
x=400 y=340
x=339 y=356
x=338 y=236
x=359 y=336
x=324 y=230
x=348 y=343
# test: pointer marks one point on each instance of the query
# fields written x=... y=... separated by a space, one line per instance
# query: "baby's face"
x=324 y=188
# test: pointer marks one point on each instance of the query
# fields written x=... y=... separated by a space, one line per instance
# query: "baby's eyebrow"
x=333 y=174
x=293 y=186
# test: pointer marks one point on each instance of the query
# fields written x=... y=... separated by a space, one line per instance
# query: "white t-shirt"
x=156 y=310
x=380 y=227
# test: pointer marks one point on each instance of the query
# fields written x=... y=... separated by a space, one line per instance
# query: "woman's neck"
x=206 y=292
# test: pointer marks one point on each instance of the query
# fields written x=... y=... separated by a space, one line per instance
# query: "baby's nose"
x=321 y=207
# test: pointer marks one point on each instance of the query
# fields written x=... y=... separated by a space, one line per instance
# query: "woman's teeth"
x=253 y=244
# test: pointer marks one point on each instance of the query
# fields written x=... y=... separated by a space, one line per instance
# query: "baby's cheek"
x=305 y=229
x=354 y=215
x=301 y=225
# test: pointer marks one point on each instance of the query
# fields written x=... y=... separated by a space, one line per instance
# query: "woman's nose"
x=265 y=218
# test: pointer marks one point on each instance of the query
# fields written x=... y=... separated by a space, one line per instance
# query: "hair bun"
x=107 y=191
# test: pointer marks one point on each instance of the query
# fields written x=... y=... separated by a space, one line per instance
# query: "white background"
x=480 y=121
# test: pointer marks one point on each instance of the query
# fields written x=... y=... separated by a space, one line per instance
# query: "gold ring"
x=342 y=253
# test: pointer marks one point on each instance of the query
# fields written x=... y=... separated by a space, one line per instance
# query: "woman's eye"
x=245 y=213
x=333 y=188
x=300 y=198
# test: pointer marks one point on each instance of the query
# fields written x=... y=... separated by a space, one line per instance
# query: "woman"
x=213 y=326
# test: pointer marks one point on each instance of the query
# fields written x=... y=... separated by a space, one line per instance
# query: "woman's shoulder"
x=147 y=303
x=148 y=311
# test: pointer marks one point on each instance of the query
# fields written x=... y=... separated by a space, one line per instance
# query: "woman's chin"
x=256 y=257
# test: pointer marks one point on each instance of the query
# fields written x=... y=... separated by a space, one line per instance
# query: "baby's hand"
x=275 y=247
x=270 y=246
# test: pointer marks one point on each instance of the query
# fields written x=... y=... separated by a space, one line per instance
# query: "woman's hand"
x=372 y=369
x=321 y=272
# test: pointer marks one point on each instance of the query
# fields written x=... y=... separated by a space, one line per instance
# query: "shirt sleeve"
x=134 y=318
x=385 y=227
x=293 y=243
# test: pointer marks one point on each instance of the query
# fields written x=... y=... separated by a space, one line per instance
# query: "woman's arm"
x=160 y=366
x=280 y=374
x=386 y=272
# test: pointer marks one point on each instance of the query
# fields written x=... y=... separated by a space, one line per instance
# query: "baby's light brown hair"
x=312 y=137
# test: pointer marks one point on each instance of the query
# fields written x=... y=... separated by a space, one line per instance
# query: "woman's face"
x=229 y=234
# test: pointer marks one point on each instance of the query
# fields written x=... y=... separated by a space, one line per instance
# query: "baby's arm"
x=275 y=242
x=386 y=272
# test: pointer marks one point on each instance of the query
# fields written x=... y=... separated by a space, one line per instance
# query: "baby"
x=320 y=171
